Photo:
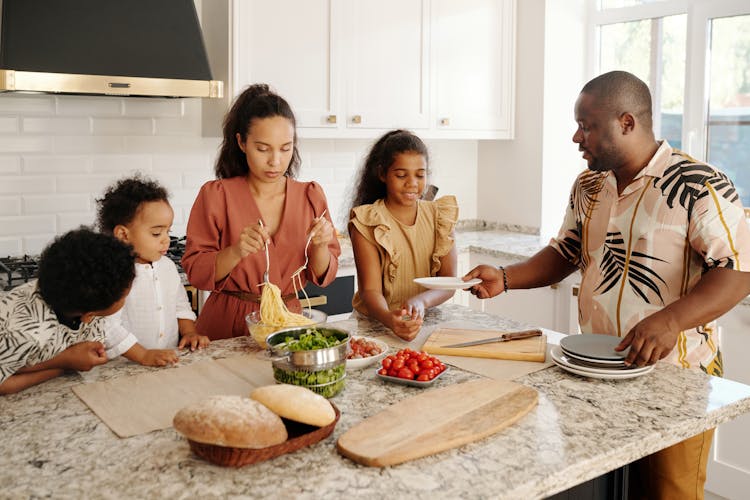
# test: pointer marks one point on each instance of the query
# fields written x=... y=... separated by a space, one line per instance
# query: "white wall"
x=526 y=181
x=57 y=154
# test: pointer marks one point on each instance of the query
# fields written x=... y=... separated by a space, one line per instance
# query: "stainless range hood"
x=111 y=47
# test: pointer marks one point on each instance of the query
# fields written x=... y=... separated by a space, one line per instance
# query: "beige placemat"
x=144 y=403
x=498 y=369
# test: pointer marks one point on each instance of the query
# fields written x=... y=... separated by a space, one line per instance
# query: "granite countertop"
x=54 y=446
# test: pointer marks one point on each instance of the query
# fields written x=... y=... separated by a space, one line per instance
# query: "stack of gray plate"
x=594 y=355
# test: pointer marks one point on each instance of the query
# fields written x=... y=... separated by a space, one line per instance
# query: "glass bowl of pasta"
x=260 y=330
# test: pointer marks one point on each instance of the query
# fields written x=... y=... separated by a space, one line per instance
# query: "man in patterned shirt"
x=663 y=248
x=57 y=322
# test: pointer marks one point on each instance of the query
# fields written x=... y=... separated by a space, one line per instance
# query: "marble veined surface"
x=54 y=446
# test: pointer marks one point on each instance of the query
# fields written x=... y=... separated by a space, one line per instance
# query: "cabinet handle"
x=331 y=119
x=445 y=122
x=357 y=119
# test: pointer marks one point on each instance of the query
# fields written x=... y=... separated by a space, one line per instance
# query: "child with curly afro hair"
x=57 y=321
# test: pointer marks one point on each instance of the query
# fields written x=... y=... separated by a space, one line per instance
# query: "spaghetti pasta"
x=273 y=311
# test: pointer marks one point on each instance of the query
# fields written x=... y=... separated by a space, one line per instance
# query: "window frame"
x=699 y=13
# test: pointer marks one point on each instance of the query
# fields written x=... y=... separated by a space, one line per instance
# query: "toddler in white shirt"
x=157 y=317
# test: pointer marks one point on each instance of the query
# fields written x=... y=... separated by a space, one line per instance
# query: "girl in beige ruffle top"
x=396 y=236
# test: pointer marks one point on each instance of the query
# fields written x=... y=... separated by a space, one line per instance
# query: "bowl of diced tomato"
x=365 y=351
x=409 y=367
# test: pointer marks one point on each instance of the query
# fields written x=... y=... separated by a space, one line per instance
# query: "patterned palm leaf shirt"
x=643 y=249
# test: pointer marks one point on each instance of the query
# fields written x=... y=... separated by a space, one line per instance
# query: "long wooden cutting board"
x=531 y=349
x=437 y=420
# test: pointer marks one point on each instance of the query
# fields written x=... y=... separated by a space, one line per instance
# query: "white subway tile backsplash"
x=170 y=144
x=10 y=205
x=93 y=184
x=344 y=160
x=88 y=144
x=57 y=126
x=27 y=225
x=59 y=153
x=121 y=164
x=184 y=163
x=196 y=179
x=182 y=198
x=56 y=164
x=152 y=107
x=33 y=245
x=123 y=126
x=89 y=106
x=57 y=203
x=25 y=144
x=176 y=126
x=66 y=222
x=27 y=104
x=8 y=125
x=27 y=184
x=10 y=164
x=11 y=247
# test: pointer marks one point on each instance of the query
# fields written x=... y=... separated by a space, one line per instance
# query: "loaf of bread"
x=232 y=421
x=296 y=403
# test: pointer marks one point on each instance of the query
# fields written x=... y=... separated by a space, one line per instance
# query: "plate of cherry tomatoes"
x=409 y=367
x=365 y=351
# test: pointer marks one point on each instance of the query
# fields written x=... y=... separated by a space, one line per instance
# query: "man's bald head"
x=620 y=92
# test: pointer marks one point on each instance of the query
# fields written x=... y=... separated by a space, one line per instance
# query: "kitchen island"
x=54 y=446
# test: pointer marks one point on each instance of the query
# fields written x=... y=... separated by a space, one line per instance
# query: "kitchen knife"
x=525 y=334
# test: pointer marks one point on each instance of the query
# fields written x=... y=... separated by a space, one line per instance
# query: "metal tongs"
x=525 y=334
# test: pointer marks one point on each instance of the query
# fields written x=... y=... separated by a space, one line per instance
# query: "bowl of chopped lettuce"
x=312 y=357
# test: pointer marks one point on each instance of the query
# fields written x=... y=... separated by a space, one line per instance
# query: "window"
x=695 y=57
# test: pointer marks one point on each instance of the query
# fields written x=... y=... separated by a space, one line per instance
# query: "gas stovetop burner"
x=176 y=249
x=17 y=270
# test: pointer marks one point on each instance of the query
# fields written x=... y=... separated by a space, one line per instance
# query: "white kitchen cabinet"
x=385 y=64
x=356 y=68
x=547 y=307
x=729 y=462
x=473 y=60
x=343 y=66
x=289 y=45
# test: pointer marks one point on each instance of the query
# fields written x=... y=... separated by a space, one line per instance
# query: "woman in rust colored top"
x=255 y=200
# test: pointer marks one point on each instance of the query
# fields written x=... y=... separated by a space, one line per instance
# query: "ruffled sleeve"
x=446 y=217
x=372 y=224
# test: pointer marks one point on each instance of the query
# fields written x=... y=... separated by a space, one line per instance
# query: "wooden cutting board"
x=436 y=420
x=531 y=349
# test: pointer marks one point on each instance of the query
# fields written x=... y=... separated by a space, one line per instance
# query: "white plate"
x=593 y=345
x=446 y=283
x=562 y=358
x=601 y=373
x=359 y=363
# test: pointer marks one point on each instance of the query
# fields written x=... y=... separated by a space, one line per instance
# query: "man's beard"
x=606 y=159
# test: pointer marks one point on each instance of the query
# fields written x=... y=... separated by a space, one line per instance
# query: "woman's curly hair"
x=120 y=202
x=84 y=271
x=256 y=101
x=383 y=153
